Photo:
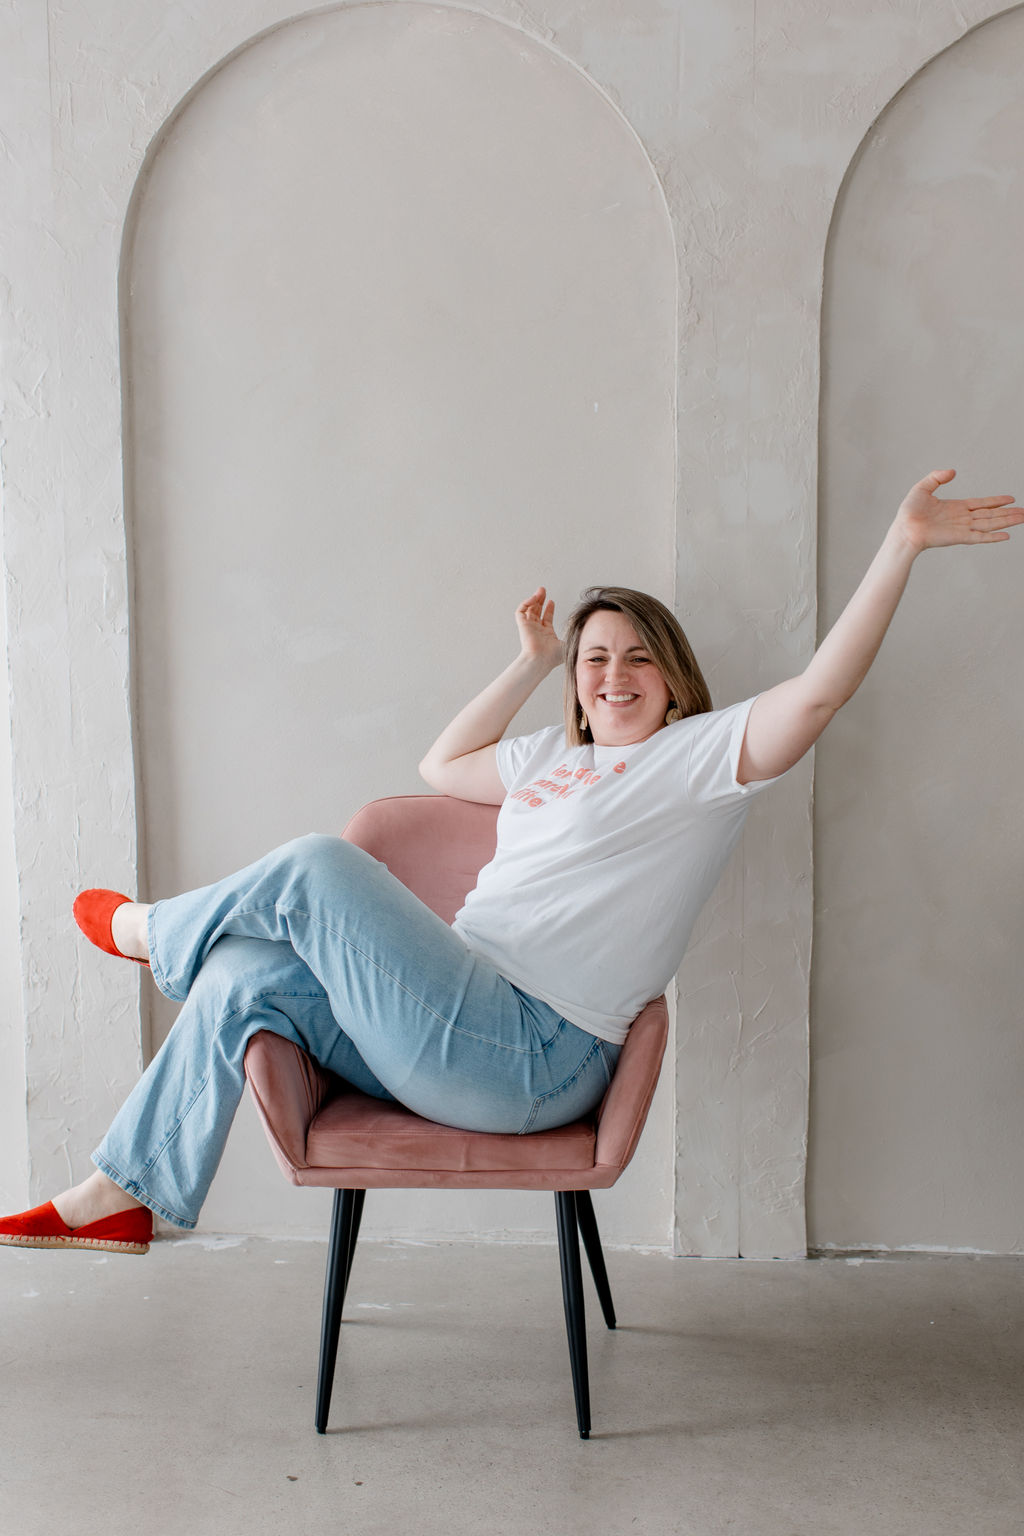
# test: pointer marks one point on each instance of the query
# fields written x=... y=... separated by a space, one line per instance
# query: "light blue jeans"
x=318 y=942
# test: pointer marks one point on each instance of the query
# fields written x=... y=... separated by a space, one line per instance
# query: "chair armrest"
x=623 y=1110
x=288 y=1088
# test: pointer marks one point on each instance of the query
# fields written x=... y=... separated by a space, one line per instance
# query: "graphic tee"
x=605 y=856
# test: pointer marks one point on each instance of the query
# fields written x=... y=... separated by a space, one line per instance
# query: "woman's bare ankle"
x=129 y=929
x=96 y=1197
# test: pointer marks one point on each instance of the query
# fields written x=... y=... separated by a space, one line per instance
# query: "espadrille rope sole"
x=73 y=1242
x=128 y=1231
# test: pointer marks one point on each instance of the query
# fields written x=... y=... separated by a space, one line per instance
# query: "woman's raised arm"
x=785 y=721
x=463 y=760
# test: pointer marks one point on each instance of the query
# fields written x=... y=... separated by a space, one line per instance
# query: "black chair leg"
x=592 y=1243
x=357 y=1216
x=572 y=1296
x=348 y=1210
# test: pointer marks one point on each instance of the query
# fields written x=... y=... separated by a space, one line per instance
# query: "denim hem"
x=131 y=1188
x=158 y=972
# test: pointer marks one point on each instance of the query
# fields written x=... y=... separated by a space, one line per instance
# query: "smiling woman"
x=624 y=650
x=512 y=1018
x=623 y=697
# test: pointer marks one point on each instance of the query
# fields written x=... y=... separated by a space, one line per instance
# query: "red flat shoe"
x=92 y=912
x=126 y=1232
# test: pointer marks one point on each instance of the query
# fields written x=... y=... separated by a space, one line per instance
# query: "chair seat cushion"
x=354 y=1131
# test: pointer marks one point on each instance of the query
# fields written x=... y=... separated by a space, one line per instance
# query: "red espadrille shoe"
x=126 y=1232
x=92 y=912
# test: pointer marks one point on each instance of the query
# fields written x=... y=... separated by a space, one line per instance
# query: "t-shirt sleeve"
x=714 y=758
x=514 y=752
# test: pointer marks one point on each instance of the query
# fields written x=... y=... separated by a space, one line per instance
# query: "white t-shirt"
x=605 y=856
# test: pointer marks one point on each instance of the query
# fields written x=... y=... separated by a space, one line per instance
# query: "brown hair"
x=659 y=632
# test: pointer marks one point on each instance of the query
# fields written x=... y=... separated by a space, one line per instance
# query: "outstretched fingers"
x=980 y=504
x=990 y=519
x=929 y=521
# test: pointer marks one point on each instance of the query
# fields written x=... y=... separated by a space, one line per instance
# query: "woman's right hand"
x=537 y=637
x=463 y=760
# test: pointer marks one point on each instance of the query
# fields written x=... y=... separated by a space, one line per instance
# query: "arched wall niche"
x=399 y=344
x=917 y=1053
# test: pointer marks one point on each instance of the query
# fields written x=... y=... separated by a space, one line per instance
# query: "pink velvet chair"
x=324 y=1132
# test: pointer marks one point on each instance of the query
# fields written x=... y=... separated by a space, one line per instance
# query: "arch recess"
x=916 y=984
x=400 y=344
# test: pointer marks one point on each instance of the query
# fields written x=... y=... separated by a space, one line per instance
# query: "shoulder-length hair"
x=661 y=635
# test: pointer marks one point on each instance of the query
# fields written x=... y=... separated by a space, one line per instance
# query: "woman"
x=613 y=831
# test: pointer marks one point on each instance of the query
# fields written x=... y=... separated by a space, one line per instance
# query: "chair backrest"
x=436 y=845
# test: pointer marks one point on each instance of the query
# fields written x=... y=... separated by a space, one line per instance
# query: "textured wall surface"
x=919 y=847
x=65 y=574
x=750 y=114
x=13 y=1119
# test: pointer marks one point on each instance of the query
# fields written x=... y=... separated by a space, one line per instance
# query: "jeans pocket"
x=581 y=1092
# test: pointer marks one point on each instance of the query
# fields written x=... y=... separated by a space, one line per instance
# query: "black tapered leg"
x=348 y=1210
x=572 y=1296
x=592 y=1243
x=357 y=1216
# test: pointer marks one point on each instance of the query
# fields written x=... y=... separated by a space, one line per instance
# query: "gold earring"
x=674 y=713
x=583 y=719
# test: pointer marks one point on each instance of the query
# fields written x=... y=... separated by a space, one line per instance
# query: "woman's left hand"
x=787 y=719
x=926 y=521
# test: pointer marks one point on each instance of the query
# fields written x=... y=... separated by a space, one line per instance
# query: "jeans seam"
x=159 y=1151
x=563 y=1087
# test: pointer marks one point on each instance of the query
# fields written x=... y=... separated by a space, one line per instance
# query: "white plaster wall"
x=750 y=113
x=400 y=345
x=13 y=1113
x=66 y=612
x=918 y=975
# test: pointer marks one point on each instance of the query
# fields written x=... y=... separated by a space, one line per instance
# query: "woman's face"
x=622 y=691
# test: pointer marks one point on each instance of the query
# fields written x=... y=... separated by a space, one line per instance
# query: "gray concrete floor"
x=174 y=1394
